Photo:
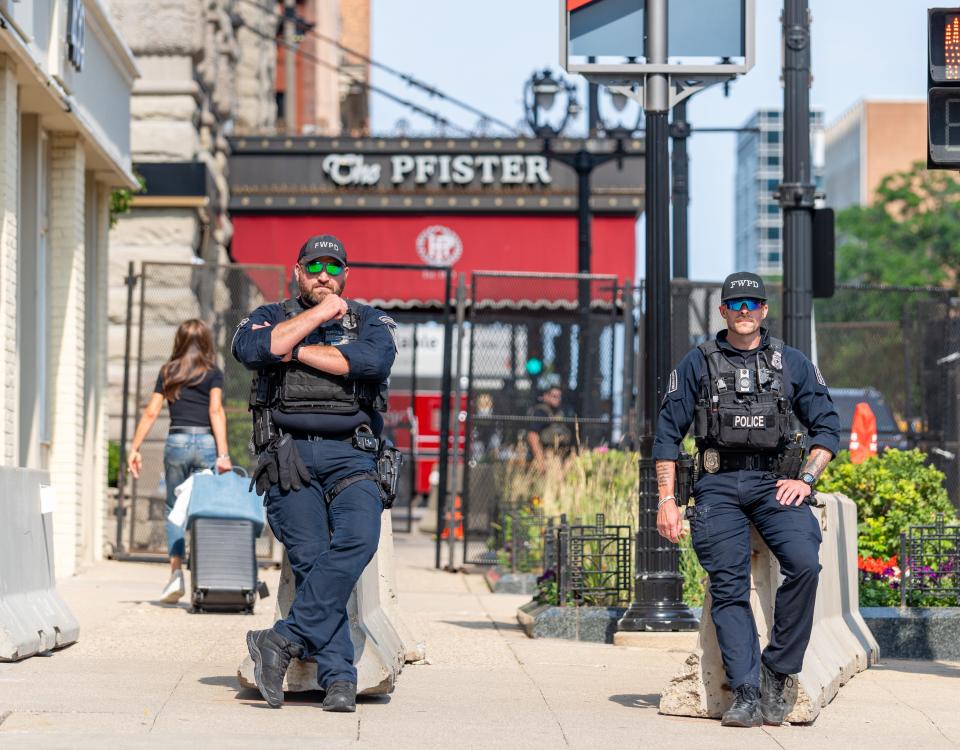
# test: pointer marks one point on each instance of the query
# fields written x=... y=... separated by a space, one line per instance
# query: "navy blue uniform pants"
x=328 y=546
x=726 y=504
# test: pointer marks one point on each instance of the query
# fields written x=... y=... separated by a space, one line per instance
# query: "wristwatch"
x=808 y=478
x=295 y=352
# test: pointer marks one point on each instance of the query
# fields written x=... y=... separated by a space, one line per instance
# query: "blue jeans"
x=183 y=454
x=328 y=547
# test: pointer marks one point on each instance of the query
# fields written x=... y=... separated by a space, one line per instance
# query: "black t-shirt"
x=192 y=409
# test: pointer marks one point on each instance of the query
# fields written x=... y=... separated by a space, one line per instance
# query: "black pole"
x=414 y=429
x=125 y=410
x=445 y=397
x=584 y=166
x=679 y=132
x=797 y=192
x=658 y=593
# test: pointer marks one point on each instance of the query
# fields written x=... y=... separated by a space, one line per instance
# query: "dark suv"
x=889 y=434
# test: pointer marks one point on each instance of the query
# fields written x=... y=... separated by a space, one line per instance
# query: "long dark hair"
x=192 y=358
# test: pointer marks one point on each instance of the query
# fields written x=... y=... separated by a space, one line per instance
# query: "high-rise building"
x=869 y=141
x=759 y=224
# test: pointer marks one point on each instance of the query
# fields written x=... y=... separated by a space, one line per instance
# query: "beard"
x=316 y=295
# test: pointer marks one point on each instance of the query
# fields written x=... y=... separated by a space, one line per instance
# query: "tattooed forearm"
x=817 y=461
x=666 y=477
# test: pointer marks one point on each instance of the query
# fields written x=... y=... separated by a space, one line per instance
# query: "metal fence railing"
x=930 y=563
x=160 y=297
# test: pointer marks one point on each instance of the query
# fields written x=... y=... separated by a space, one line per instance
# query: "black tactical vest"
x=743 y=409
x=297 y=388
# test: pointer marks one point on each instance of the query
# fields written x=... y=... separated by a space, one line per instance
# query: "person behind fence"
x=322 y=365
x=548 y=431
x=741 y=392
x=192 y=385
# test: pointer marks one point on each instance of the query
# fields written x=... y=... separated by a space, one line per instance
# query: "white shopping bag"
x=178 y=515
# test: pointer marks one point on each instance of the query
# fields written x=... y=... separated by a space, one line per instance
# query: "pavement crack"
x=921 y=712
x=779 y=744
x=519 y=661
x=166 y=701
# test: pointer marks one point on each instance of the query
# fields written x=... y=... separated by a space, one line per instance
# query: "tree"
x=909 y=236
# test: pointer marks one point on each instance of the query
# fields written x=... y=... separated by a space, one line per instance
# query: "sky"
x=483 y=52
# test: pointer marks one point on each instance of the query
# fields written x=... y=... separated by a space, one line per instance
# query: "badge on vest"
x=711 y=460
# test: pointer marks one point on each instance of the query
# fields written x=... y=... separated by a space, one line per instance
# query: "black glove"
x=266 y=472
x=293 y=472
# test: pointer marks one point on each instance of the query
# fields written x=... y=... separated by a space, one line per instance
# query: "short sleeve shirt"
x=192 y=409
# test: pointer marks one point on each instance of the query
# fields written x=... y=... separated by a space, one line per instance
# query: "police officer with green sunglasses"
x=322 y=363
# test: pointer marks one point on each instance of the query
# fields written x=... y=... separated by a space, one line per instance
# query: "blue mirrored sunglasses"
x=748 y=302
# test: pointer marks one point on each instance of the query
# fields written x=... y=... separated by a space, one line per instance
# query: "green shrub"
x=892 y=491
x=113 y=462
x=694 y=576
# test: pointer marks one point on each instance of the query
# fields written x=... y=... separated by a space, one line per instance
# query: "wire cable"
x=406 y=77
x=436 y=117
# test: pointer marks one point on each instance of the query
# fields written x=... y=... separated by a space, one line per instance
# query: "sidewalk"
x=147 y=675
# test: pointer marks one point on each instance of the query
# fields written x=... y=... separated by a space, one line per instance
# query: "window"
x=772 y=185
x=773 y=209
x=773 y=160
x=773 y=233
x=773 y=136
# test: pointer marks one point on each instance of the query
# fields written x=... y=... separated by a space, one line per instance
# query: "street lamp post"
x=540 y=95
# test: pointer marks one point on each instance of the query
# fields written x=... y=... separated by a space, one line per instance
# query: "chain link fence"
x=528 y=334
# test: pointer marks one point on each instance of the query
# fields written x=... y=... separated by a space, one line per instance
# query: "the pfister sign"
x=444 y=169
x=449 y=175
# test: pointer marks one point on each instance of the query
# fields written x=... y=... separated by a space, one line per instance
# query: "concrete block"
x=413 y=648
x=592 y=624
x=916 y=632
x=838 y=649
x=503 y=581
x=33 y=617
x=379 y=653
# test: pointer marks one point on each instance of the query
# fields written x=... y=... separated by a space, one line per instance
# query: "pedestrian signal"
x=943 y=88
x=534 y=366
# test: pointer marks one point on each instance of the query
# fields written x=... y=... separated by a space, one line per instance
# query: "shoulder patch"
x=820 y=379
x=387 y=320
x=674 y=382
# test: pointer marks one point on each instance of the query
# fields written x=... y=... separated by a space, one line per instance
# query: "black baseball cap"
x=743 y=284
x=322 y=246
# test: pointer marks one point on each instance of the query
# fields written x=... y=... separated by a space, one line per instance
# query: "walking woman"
x=192 y=385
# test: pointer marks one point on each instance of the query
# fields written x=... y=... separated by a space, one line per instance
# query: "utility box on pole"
x=943 y=88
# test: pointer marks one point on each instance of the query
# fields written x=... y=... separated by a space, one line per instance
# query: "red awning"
x=536 y=244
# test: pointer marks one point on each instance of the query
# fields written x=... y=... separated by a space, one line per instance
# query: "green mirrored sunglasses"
x=318 y=266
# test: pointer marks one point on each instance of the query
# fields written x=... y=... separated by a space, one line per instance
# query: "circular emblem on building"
x=438 y=245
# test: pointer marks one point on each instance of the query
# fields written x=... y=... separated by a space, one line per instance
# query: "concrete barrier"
x=379 y=650
x=841 y=645
x=33 y=617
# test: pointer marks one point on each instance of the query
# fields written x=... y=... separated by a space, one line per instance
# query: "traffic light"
x=943 y=88
x=534 y=366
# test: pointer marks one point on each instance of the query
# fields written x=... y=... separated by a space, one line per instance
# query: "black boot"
x=341 y=696
x=745 y=711
x=774 y=705
x=271 y=654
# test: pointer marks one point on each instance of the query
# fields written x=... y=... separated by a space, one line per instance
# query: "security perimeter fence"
x=898 y=346
x=526 y=334
x=162 y=295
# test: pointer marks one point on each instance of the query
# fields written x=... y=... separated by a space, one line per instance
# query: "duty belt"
x=738 y=461
x=298 y=435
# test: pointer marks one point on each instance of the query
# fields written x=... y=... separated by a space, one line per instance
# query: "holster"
x=791 y=459
x=684 y=479
x=389 y=461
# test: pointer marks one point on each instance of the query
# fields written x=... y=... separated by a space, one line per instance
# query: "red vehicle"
x=424 y=417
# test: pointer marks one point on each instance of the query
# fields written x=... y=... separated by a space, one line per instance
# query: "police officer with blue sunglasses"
x=745 y=394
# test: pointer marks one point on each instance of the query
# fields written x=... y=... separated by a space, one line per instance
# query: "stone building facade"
x=209 y=70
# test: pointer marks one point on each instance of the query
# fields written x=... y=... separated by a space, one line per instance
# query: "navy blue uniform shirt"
x=803 y=385
x=370 y=356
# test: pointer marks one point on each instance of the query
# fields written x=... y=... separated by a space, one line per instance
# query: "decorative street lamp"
x=540 y=94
